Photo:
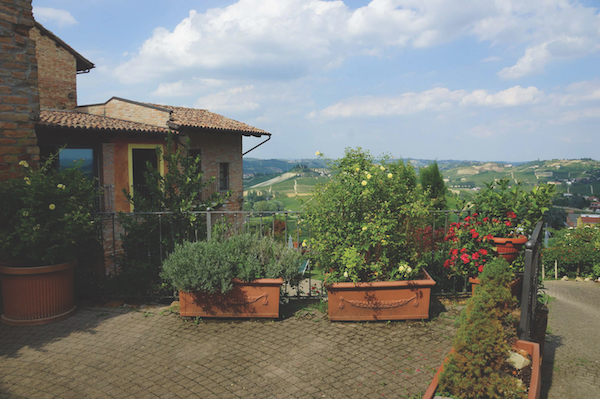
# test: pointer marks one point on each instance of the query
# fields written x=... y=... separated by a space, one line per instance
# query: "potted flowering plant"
x=239 y=276
x=43 y=217
x=362 y=224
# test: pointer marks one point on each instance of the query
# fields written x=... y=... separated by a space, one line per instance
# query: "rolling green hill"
x=579 y=176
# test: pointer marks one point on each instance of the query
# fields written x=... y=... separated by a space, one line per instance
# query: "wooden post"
x=556 y=270
x=543 y=271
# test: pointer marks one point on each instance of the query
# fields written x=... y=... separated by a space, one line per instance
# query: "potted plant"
x=500 y=221
x=44 y=216
x=362 y=223
x=481 y=363
x=239 y=276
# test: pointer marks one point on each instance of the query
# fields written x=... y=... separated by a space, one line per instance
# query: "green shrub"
x=209 y=266
x=576 y=251
x=362 y=221
x=478 y=367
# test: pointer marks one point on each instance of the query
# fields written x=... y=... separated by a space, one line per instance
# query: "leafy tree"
x=556 y=218
x=261 y=206
x=433 y=183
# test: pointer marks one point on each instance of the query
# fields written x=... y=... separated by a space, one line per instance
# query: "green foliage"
x=478 y=367
x=209 y=266
x=499 y=200
x=46 y=214
x=366 y=210
x=556 y=218
x=577 y=251
x=149 y=237
x=574 y=201
x=433 y=183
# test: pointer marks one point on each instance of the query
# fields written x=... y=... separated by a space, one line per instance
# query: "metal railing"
x=530 y=282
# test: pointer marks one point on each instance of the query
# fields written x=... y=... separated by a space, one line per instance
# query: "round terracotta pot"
x=37 y=295
x=509 y=248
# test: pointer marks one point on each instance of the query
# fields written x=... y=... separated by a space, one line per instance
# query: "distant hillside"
x=277 y=166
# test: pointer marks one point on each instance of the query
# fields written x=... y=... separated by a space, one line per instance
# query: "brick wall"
x=19 y=101
x=217 y=147
x=128 y=111
x=57 y=74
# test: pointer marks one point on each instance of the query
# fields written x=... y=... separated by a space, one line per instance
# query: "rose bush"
x=362 y=220
x=45 y=215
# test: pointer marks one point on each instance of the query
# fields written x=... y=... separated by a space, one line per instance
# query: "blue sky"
x=505 y=80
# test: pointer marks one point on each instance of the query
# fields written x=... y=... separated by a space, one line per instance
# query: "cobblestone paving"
x=120 y=353
x=571 y=364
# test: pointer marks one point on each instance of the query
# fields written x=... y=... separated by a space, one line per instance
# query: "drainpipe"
x=256 y=146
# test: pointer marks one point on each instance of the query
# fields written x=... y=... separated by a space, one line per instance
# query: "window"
x=69 y=157
x=223 y=176
x=139 y=157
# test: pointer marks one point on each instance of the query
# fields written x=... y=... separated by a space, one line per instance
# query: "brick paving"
x=122 y=353
x=571 y=364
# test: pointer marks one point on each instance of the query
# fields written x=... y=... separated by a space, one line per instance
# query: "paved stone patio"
x=571 y=364
x=121 y=353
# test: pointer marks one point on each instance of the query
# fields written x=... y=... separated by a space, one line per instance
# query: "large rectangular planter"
x=535 y=386
x=258 y=298
x=381 y=300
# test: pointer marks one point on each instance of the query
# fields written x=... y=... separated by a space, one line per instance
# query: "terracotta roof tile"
x=202 y=118
x=78 y=120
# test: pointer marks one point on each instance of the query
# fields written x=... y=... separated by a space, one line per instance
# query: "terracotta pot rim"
x=16 y=270
x=425 y=282
x=259 y=281
x=521 y=239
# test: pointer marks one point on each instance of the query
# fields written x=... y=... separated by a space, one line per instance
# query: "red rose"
x=447 y=263
x=495 y=220
x=483 y=252
x=475 y=215
x=486 y=219
x=511 y=215
x=465 y=258
x=508 y=223
x=475 y=256
x=467 y=218
x=480 y=268
x=474 y=233
x=462 y=251
x=455 y=252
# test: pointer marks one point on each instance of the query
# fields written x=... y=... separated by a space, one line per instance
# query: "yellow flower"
x=61 y=186
x=390 y=175
x=346 y=274
x=27 y=180
x=369 y=176
x=24 y=164
x=364 y=183
x=52 y=207
x=304 y=243
x=357 y=169
x=318 y=153
x=364 y=228
x=381 y=167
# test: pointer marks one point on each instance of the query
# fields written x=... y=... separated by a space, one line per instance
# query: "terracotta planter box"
x=37 y=295
x=259 y=298
x=384 y=300
x=509 y=248
x=516 y=286
x=535 y=386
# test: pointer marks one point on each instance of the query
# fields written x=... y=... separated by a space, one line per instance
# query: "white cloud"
x=438 y=99
x=576 y=115
x=185 y=88
x=577 y=93
x=492 y=59
x=61 y=18
x=408 y=103
x=235 y=99
x=291 y=37
x=506 y=98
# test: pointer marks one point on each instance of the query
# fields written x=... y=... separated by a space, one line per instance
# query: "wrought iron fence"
x=530 y=282
x=161 y=231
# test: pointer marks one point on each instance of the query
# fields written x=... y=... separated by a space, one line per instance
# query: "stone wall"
x=129 y=111
x=19 y=100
